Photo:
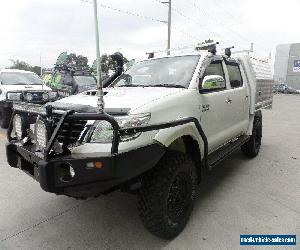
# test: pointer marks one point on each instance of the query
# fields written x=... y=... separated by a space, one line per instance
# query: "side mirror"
x=213 y=82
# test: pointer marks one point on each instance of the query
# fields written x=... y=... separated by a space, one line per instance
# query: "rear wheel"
x=252 y=147
x=5 y=115
x=167 y=195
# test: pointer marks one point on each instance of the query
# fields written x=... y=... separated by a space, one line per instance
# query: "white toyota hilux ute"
x=20 y=86
x=166 y=122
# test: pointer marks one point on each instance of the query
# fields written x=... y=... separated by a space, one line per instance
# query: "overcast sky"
x=31 y=27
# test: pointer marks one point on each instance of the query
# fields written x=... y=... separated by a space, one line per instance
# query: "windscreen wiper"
x=131 y=85
x=164 y=85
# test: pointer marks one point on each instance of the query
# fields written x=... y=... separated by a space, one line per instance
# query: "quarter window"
x=235 y=77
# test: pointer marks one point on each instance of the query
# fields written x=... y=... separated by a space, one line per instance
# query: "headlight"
x=52 y=95
x=14 y=96
x=41 y=134
x=29 y=97
x=45 y=96
x=19 y=127
x=103 y=132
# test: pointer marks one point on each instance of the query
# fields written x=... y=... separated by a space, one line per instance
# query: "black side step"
x=221 y=154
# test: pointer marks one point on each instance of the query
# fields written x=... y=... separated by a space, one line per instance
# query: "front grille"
x=70 y=131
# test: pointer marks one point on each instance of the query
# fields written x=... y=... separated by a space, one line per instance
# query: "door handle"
x=229 y=101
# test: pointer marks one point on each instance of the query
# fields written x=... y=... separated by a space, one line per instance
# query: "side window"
x=215 y=68
x=213 y=78
x=235 y=77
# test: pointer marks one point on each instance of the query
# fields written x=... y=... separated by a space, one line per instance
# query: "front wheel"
x=252 y=147
x=167 y=195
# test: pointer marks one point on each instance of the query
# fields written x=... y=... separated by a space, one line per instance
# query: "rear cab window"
x=234 y=74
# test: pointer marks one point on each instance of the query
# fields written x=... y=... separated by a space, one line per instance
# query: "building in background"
x=287 y=65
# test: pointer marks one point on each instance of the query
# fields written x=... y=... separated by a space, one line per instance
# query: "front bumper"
x=117 y=169
x=6 y=104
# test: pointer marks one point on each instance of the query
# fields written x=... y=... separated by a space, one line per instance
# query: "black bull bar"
x=117 y=131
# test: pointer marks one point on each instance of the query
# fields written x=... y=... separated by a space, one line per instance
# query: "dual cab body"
x=166 y=121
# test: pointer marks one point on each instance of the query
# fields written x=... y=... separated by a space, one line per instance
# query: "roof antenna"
x=100 y=102
x=228 y=51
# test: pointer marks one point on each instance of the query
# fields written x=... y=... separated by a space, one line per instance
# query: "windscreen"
x=20 y=78
x=163 y=72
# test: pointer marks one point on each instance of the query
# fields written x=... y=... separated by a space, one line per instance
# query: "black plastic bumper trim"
x=117 y=169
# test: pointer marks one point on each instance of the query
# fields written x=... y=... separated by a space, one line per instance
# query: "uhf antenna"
x=100 y=102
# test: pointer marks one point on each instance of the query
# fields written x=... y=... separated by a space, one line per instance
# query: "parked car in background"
x=284 y=89
x=67 y=81
x=21 y=86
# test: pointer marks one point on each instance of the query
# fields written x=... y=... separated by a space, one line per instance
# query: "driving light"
x=19 y=127
x=41 y=134
x=65 y=172
x=103 y=132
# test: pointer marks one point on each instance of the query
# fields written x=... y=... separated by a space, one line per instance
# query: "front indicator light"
x=95 y=165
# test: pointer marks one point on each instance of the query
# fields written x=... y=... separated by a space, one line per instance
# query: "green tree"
x=21 y=65
x=78 y=62
x=107 y=64
x=36 y=69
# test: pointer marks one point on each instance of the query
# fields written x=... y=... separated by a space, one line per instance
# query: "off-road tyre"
x=252 y=147
x=5 y=115
x=167 y=195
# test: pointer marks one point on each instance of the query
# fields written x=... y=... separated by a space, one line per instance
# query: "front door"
x=214 y=108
